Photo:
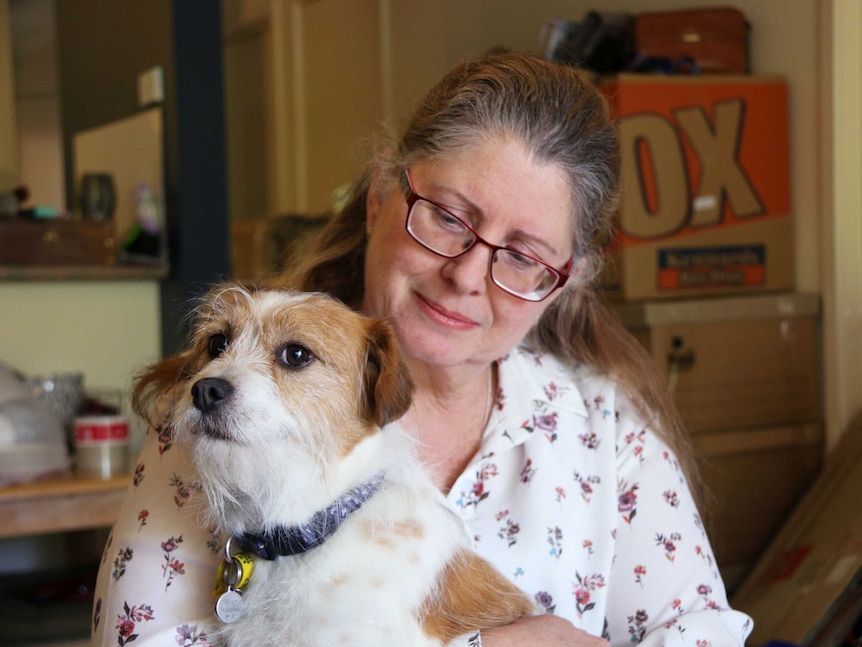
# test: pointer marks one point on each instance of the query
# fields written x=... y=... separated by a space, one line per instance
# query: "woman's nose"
x=470 y=272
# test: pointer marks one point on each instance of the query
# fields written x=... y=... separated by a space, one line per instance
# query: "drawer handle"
x=50 y=236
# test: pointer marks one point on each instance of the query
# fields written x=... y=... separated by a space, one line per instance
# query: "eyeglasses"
x=445 y=234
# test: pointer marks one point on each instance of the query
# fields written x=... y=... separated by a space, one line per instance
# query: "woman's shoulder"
x=542 y=366
x=595 y=387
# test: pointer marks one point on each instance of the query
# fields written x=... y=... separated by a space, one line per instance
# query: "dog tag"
x=228 y=607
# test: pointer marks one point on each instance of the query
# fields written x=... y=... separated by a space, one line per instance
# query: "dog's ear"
x=386 y=381
x=158 y=378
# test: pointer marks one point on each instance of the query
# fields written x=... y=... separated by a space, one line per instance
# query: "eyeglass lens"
x=446 y=235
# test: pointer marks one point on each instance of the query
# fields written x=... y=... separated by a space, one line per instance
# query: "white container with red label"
x=101 y=446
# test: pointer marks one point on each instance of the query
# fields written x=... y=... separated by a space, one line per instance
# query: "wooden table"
x=60 y=504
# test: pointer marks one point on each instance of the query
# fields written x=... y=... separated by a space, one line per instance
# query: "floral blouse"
x=570 y=495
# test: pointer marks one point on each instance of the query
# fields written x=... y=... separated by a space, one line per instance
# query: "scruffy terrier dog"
x=283 y=396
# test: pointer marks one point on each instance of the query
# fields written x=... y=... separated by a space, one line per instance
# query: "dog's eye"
x=217 y=345
x=295 y=356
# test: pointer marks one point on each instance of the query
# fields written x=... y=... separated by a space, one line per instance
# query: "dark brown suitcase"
x=63 y=241
x=715 y=38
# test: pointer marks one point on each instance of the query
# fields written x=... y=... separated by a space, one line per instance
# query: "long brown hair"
x=557 y=114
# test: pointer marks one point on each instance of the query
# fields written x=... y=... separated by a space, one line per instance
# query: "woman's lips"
x=445 y=317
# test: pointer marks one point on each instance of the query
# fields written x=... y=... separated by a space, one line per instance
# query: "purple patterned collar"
x=283 y=541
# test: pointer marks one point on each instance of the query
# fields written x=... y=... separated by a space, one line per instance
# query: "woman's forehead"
x=502 y=181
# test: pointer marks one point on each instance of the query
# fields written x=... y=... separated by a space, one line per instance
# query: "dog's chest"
x=363 y=587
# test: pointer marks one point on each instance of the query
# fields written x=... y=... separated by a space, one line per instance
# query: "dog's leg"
x=471 y=594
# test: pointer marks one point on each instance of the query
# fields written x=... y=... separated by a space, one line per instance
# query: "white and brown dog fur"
x=297 y=391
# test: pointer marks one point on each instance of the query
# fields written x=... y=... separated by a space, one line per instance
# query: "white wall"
x=106 y=329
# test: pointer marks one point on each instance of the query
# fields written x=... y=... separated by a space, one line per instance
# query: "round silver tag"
x=228 y=607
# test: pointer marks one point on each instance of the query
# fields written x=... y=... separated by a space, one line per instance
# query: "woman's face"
x=447 y=311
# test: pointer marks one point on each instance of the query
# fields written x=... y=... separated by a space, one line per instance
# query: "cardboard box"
x=806 y=587
x=706 y=203
x=747 y=510
x=734 y=362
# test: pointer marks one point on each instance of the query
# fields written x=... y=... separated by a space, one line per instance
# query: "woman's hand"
x=545 y=630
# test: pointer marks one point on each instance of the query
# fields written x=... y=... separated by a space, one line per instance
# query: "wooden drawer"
x=57 y=242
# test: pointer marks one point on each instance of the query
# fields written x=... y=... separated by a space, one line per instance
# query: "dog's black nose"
x=210 y=392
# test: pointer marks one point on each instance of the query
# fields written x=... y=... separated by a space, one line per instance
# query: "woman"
x=475 y=236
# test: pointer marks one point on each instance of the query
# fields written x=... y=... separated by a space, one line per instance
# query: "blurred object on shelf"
x=57 y=241
x=602 y=42
x=101 y=446
x=98 y=196
x=145 y=240
x=10 y=202
x=713 y=39
x=33 y=442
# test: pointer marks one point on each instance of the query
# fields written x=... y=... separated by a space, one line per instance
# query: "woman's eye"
x=217 y=345
x=295 y=356
x=520 y=261
x=445 y=219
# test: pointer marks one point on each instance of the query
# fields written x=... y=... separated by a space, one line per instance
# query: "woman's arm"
x=546 y=630
x=665 y=586
x=159 y=566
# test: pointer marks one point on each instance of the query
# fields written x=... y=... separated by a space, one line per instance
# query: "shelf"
x=81 y=272
x=60 y=504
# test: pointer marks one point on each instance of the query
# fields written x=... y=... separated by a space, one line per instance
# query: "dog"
x=283 y=405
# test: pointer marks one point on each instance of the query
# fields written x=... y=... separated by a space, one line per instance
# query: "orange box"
x=706 y=203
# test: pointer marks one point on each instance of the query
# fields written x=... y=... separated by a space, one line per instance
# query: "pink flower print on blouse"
x=214 y=543
x=627 y=501
x=166 y=434
x=124 y=556
x=552 y=391
x=138 y=477
x=182 y=489
x=671 y=498
x=546 y=601
x=560 y=494
x=590 y=440
x=599 y=405
x=582 y=590
x=528 y=472
x=499 y=401
x=143 y=515
x=704 y=555
x=705 y=591
x=669 y=544
x=640 y=571
x=586 y=484
x=478 y=492
x=639 y=440
x=543 y=422
x=172 y=565
x=189 y=635
x=637 y=625
x=588 y=546
x=555 y=539
x=509 y=530
x=127 y=621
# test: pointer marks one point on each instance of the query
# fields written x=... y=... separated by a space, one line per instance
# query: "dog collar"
x=284 y=541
